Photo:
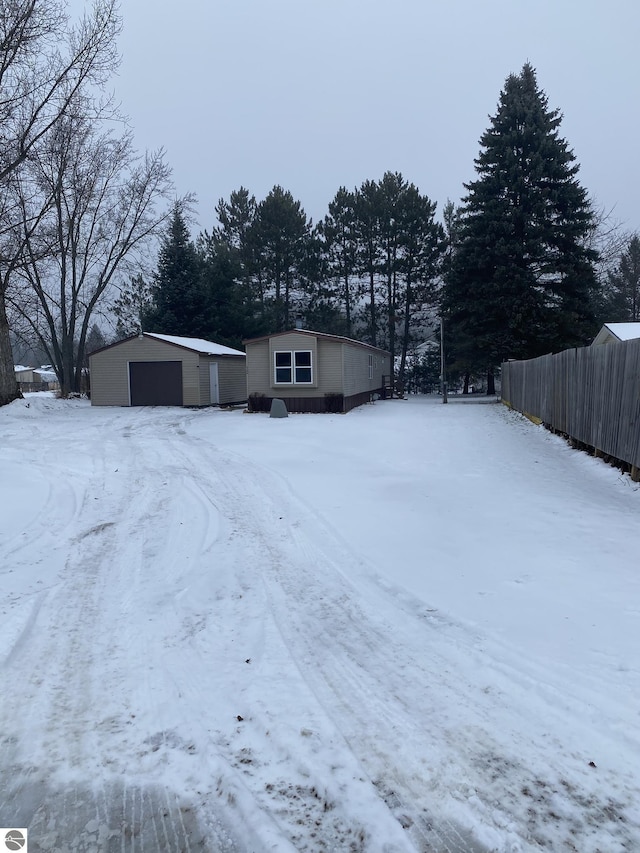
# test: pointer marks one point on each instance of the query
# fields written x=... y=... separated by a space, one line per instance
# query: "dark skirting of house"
x=330 y=403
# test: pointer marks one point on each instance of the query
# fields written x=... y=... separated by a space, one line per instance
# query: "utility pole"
x=443 y=378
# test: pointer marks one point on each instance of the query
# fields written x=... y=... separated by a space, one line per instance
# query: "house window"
x=370 y=367
x=293 y=368
x=283 y=367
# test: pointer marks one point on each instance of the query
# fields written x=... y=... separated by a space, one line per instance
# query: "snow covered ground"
x=415 y=627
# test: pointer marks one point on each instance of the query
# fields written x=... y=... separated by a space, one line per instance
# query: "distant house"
x=24 y=374
x=612 y=333
x=167 y=370
x=314 y=372
x=36 y=378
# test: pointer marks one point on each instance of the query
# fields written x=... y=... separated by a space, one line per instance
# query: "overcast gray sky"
x=315 y=94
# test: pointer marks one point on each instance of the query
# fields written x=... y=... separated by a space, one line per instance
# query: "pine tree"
x=235 y=232
x=368 y=231
x=623 y=286
x=521 y=277
x=392 y=191
x=179 y=298
x=340 y=245
x=421 y=245
x=232 y=314
x=132 y=306
x=281 y=235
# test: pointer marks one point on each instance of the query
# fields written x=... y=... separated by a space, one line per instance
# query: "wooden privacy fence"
x=591 y=394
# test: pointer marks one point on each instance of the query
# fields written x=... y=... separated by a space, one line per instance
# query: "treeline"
x=371 y=268
x=523 y=266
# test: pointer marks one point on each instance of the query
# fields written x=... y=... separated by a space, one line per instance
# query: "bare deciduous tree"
x=102 y=203
x=44 y=65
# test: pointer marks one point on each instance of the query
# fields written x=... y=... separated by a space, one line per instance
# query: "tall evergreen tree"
x=368 y=230
x=281 y=235
x=421 y=245
x=338 y=231
x=622 y=302
x=235 y=231
x=179 y=298
x=521 y=278
x=392 y=191
x=132 y=306
x=232 y=313
x=451 y=220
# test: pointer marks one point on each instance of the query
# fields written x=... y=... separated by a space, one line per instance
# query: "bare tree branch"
x=105 y=204
x=45 y=64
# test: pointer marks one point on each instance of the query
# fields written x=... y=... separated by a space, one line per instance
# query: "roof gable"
x=196 y=344
x=320 y=335
x=193 y=344
x=617 y=332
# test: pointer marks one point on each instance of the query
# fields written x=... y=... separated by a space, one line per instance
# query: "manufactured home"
x=167 y=370
x=314 y=372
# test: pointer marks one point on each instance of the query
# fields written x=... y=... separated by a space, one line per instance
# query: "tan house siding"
x=340 y=366
x=330 y=367
x=356 y=369
x=258 y=368
x=294 y=342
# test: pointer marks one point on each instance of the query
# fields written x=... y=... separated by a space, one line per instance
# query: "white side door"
x=213 y=384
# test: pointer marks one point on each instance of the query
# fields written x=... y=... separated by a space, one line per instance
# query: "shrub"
x=334 y=402
x=259 y=403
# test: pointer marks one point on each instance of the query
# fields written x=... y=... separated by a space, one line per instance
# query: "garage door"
x=155 y=383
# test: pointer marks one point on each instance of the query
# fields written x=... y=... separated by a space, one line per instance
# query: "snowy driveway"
x=411 y=628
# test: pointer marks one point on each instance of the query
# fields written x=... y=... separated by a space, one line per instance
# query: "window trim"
x=292 y=367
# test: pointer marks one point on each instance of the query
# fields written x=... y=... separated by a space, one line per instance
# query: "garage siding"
x=203 y=380
x=109 y=381
x=110 y=370
x=232 y=379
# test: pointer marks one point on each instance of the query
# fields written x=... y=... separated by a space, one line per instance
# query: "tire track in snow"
x=360 y=675
x=351 y=660
x=75 y=669
x=473 y=747
x=257 y=746
x=369 y=722
x=235 y=494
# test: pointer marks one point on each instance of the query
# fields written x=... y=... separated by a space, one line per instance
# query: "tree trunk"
x=491 y=383
x=406 y=332
x=372 y=299
x=347 y=302
x=9 y=388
